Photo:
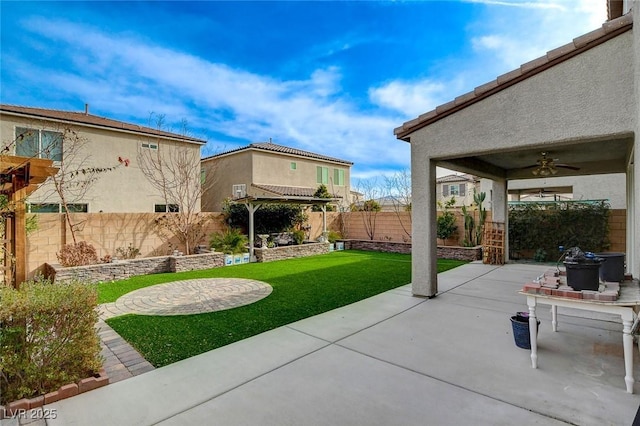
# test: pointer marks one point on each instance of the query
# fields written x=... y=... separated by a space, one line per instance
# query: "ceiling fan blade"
x=567 y=166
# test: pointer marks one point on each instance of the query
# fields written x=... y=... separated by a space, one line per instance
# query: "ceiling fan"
x=547 y=166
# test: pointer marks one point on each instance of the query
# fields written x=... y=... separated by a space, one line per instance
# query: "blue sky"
x=330 y=77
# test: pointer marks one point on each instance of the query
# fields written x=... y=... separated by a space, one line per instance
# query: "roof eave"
x=609 y=30
x=163 y=135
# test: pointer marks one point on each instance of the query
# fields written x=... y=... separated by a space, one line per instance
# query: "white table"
x=627 y=306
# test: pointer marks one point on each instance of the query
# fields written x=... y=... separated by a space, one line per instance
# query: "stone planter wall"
x=444 y=252
x=128 y=268
x=460 y=253
x=288 y=252
x=195 y=262
x=373 y=245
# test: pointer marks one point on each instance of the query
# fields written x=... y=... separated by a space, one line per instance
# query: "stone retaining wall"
x=460 y=253
x=128 y=268
x=288 y=252
x=444 y=252
x=373 y=245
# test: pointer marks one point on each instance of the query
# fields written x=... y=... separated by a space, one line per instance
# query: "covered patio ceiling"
x=598 y=156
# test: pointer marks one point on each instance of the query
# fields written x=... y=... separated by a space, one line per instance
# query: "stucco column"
x=499 y=209
x=424 y=249
x=633 y=222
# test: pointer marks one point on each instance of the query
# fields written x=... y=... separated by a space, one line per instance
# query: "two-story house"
x=267 y=169
x=96 y=148
x=458 y=186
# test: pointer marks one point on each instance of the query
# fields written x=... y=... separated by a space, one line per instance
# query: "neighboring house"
x=84 y=141
x=610 y=187
x=392 y=203
x=460 y=187
x=266 y=169
x=579 y=103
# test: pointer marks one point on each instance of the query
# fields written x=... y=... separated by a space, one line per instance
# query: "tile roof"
x=609 y=30
x=83 y=118
x=456 y=178
x=287 y=191
x=272 y=147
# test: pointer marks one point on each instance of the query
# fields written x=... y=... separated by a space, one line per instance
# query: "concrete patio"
x=391 y=359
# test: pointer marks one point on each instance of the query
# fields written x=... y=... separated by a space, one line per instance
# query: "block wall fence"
x=110 y=231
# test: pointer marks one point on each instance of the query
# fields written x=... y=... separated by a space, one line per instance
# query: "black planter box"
x=583 y=276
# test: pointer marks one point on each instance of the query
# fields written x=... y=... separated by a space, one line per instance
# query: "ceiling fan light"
x=554 y=171
x=535 y=172
x=544 y=171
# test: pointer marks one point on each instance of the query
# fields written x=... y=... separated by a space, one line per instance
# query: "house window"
x=239 y=190
x=457 y=190
x=153 y=146
x=57 y=208
x=76 y=208
x=39 y=143
x=166 y=208
x=203 y=176
x=338 y=177
x=293 y=166
x=322 y=175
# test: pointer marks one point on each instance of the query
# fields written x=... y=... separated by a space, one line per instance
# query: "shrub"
x=546 y=225
x=130 y=252
x=298 y=236
x=47 y=337
x=231 y=241
x=78 y=254
x=270 y=218
x=332 y=236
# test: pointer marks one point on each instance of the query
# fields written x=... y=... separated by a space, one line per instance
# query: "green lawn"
x=301 y=288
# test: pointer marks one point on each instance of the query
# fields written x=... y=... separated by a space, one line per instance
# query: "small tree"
x=370 y=207
x=322 y=192
x=399 y=188
x=446 y=222
x=176 y=174
x=76 y=174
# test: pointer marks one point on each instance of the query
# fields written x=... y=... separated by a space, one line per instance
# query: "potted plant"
x=332 y=237
x=232 y=243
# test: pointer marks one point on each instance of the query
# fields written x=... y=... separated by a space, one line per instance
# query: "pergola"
x=253 y=203
x=19 y=177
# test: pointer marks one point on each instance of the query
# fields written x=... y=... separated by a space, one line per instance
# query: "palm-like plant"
x=232 y=241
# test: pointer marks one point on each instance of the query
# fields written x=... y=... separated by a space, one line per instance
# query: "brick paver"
x=121 y=360
x=188 y=297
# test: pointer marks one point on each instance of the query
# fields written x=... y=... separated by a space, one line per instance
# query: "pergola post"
x=324 y=219
x=19 y=231
x=252 y=209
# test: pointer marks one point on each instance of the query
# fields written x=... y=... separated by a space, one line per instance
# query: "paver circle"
x=188 y=297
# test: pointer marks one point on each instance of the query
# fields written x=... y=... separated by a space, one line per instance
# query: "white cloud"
x=514 y=39
x=119 y=73
x=410 y=97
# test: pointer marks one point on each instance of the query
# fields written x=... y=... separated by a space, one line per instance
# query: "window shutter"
x=319 y=174
x=445 y=190
x=463 y=187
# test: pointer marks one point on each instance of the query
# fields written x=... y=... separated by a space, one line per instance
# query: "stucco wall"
x=267 y=168
x=105 y=231
x=580 y=98
x=123 y=190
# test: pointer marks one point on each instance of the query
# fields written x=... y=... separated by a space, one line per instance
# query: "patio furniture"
x=627 y=306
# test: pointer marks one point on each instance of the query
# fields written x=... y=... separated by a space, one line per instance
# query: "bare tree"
x=75 y=175
x=369 y=207
x=398 y=188
x=176 y=174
